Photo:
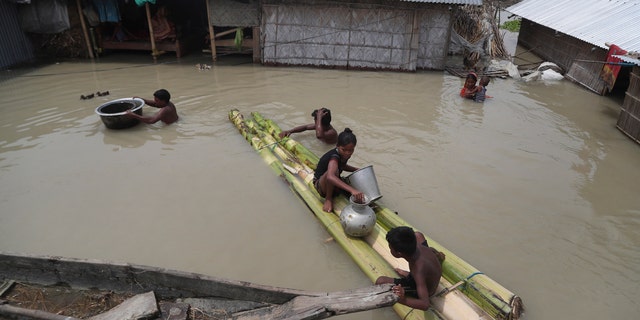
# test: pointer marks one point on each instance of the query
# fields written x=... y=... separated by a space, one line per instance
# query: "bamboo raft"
x=464 y=292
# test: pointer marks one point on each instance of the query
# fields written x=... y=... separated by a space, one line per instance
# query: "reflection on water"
x=535 y=187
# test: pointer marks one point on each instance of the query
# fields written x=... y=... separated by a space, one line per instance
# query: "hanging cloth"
x=107 y=10
x=140 y=3
x=44 y=16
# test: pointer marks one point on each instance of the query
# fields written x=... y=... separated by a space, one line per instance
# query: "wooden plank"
x=334 y=303
x=5 y=286
x=13 y=312
x=141 y=306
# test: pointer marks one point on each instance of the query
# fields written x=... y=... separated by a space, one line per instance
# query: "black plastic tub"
x=113 y=113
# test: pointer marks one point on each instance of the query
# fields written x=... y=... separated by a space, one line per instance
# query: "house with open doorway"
x=596 y=42
x=400 y=35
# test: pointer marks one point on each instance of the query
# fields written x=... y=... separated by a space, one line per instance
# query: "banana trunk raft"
x=464 y=292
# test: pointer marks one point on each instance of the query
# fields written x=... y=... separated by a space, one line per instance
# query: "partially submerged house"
x=596 y=42
x=402 y=35
x=399 y=35
x=576 y=35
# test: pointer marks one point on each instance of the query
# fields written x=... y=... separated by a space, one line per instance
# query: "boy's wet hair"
x=163 y=95
x=402 y=239
x=326 y=120
x=346 y=137
x=485 y=80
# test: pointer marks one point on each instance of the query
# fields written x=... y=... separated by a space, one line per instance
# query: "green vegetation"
x=511 y=25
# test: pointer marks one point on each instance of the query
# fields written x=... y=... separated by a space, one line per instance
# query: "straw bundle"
x=480 y=33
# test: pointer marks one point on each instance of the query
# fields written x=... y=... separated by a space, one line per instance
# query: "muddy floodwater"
x=536 y=187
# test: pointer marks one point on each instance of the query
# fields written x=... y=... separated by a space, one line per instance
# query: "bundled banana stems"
x=464 y=293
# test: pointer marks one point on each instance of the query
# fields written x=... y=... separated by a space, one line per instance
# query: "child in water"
x=469 y=89
x=327 y=175
x=481 y=89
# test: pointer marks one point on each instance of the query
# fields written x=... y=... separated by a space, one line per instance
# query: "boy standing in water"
x=481 y=89
x=327 y=175
x=167 y=114
x=416 y=286
x=321 y=124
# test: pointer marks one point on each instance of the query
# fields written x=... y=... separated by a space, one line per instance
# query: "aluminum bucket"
x=364 y=179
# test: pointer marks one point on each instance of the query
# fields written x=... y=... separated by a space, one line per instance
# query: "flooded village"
x=526 y=181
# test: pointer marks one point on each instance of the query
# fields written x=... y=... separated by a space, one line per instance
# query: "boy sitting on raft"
x=417 y=285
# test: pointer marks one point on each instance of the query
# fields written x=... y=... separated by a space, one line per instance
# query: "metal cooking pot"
x=113 y=113
x=364 y=179
x=358 y=219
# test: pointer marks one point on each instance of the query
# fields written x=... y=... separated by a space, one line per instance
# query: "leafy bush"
x=511 y=25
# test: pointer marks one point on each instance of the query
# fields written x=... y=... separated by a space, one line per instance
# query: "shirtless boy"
x=417 y=285
x=321 y=124
x=167 y=113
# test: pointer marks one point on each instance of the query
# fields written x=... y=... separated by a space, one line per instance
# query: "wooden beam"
x=154 y=51
x=21 y=313
x=256 y=44
x=212 y=39
x=84 y=30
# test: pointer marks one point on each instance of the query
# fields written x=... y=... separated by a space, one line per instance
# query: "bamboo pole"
x=154 y=51
x=484 y=291
x=84 y=30
x=453 y=306
x=212 y=39
x=309 y=158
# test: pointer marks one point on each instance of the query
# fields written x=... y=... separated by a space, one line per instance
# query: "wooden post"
x=256 y=45
x=212 y=39
x=154 y=51
x=84 y=30
x=415 y=42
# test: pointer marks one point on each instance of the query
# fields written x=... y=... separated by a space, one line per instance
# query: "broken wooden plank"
x=324 y=306
x=141 y=306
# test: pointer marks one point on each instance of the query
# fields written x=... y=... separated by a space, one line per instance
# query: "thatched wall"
x=566 y=51
x=629 y=120
x=234 y=13
x=364 y=35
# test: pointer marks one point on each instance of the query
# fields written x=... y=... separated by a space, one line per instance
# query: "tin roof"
x=594 y=21
x=459 y=2
x=629 y=59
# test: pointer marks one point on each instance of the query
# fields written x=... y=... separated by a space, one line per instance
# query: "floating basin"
x=113 y=113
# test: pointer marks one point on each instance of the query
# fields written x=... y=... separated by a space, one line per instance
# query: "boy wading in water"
x=321 y=124
x=327 y=175
x=167 y=113
x=417 y=285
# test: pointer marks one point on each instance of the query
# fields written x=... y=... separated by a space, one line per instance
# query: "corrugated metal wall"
x=366 y=36
x=629 y=120
x=578 y=58
x=15 y=47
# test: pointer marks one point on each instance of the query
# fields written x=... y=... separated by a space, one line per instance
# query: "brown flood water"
x=536 y=187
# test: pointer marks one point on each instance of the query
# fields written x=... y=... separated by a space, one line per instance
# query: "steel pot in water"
x=358 y=219
x=113 y=113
